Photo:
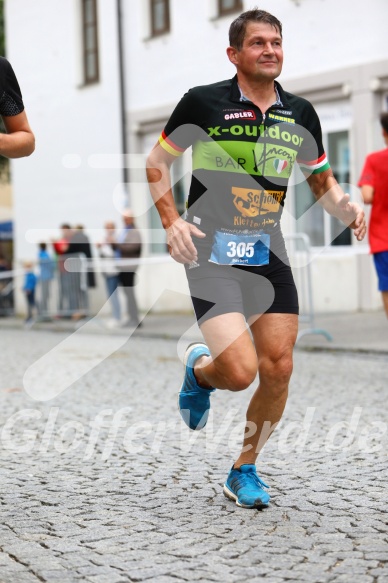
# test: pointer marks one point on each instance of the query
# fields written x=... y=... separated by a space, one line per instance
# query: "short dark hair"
x=238 y=27
x=384 y=121
x=43 y=246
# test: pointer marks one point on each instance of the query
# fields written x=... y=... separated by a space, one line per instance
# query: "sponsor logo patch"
x=281 y=118
x=252 y=203
x=241 y=114
x=280 y=165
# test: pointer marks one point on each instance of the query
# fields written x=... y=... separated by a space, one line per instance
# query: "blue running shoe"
x=246 y=488
x=194 y=401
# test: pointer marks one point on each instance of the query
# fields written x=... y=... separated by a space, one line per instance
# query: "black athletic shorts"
x=221 y=289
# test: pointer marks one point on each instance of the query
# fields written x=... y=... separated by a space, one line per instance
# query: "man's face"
x=261 y=56
x=109 y=229
x=128 y=220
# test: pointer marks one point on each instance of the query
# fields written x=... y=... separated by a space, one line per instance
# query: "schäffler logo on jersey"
x=241 y=114
x=253 y=203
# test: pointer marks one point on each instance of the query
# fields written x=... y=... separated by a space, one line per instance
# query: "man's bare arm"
x=19 y=141
x=334 y=200
x=179 y=232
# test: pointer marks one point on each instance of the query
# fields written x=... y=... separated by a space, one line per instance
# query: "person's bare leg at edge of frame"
x=384 y=296
x=234 y=367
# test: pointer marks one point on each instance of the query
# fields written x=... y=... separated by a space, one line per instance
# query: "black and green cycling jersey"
x=242 y=158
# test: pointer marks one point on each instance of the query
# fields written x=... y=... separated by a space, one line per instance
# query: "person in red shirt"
x=61 y=247
x=374 y=188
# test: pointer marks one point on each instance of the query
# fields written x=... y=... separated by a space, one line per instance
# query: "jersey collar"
x=237 y=95
x=277 y=102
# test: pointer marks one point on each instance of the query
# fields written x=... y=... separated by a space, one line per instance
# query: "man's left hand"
x=352 y=214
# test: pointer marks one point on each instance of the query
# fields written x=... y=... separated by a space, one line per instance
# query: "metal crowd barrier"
x=6 y=293
x=63 y=295
x=66 y=294
x=299 y=254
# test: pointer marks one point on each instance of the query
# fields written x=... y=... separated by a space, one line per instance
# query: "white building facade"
x=336 y=56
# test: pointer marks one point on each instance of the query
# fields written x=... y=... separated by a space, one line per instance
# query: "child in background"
x=29 y=290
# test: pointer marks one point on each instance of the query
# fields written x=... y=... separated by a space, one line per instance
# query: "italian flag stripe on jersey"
x=169 y=145
x=315 y=166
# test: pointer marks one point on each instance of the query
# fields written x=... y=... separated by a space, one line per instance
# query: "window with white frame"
x=229 y=6
x=180 y=186
x=160 y=17
x=385 y=102
x=180 y=181
x=323 y=229
x=90 y=42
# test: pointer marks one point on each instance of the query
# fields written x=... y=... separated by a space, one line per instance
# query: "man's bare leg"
x=274 y=337
x=233 y=364
x=227 y=362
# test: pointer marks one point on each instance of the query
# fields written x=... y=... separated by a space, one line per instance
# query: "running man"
x=246 y=134
x=18 y=141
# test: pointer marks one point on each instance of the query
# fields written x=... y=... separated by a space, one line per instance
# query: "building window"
x=180 y=186
x=90 y=41
x=322 y=228
x=160 y=17
x=229 y=6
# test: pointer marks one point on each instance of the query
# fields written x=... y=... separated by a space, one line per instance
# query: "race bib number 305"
x=232 y=249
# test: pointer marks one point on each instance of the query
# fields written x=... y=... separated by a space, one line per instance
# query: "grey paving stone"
x=379 y=556
x=160 y=515
x=21 y=578
x=107 y=578
x=381 y=572
x=344 y=578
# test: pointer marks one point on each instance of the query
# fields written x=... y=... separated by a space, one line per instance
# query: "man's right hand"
x=180 y=243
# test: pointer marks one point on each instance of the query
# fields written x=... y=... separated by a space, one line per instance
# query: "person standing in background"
x=61 y=247
x=374 y=188
x=129 y=247
x=107 y=252
x=29 y=290
x=46 y=275
x=82 y=274
x=79 y=243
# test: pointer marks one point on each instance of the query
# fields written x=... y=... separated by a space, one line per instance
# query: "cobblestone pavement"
x=103 y=484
